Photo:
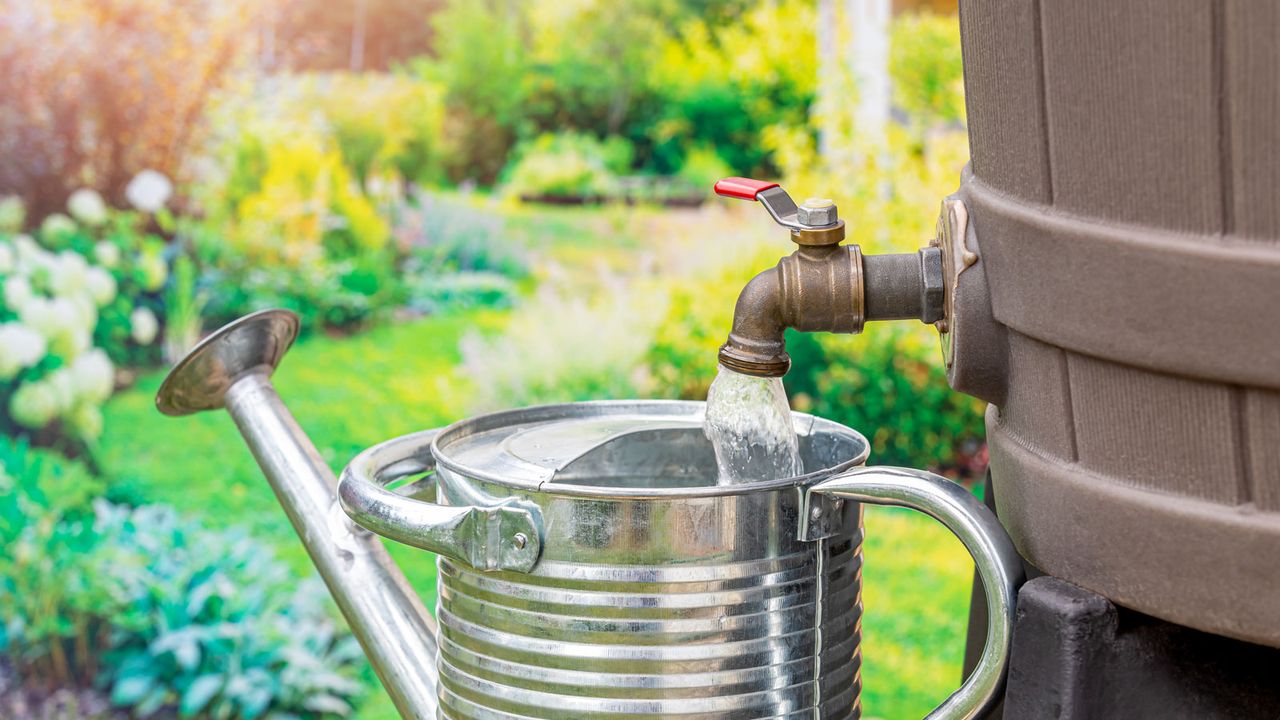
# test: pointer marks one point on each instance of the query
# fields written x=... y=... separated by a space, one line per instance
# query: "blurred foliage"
x=290 y=200
x=209 y=622
x=288 y=226
x=382 y=124
x=720 y=85
x=564 y=346
x=458 y=254
x=668 y=76
x=483 y=64
x=97 y=90
x=928 y=76
x=567 y=165
x=162 y=612
x=889 y=384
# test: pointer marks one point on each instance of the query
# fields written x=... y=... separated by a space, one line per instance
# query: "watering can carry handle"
x=998 y=564
x=490 y=534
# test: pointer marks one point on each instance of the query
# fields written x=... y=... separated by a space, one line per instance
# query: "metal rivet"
x=521 y=540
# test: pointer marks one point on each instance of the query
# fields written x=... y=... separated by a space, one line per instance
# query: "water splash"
x=749 y=424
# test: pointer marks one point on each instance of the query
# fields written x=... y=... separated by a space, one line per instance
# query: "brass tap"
x=823 y=286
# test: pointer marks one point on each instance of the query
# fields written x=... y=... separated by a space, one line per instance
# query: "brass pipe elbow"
x=816 y=288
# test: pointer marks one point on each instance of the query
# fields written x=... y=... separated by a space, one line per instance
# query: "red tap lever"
x=742 y=188
x=769 y=194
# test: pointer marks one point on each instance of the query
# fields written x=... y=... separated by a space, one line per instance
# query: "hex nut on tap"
x=817 y=212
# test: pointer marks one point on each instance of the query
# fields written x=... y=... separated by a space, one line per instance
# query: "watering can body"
x=589 y=565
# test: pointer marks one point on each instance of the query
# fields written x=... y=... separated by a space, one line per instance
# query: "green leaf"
x=255 y=703
x=198 y=695
x=130 y=690
x=151 y=703
x=327 y=704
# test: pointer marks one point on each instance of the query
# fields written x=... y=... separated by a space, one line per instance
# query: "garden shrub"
x=458 y=253
x=483 y=64
x=381 y=124
x=75 y=305
x=210 y=622
x=567 y=165
x=890 y=385
x=563 y=346
x=702 y=167
x=290 y=227
x=720 y=86
x=160 y=612
x=47 y=590
x=924 y=61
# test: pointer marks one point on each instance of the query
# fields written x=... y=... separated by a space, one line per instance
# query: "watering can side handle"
x=497 y=536
x=997 y=562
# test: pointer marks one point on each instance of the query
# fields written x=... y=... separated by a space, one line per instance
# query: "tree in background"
x=346 y=34
x=96 y=91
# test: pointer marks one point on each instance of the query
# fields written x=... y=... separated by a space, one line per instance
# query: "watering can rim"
x=690 y=411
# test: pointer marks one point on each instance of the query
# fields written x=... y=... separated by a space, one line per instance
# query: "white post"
x=869 y=23
x=828 y=86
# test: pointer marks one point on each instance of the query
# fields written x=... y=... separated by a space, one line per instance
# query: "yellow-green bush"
x=288 y=225
x=382 y=124
x=924 y=60
x=304 y=206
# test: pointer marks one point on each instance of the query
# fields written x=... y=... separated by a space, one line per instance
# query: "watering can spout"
x=232 y=369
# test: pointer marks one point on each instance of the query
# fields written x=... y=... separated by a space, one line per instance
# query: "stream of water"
x=749 y=424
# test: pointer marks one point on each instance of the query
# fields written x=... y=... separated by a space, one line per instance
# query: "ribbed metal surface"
x=767 y=638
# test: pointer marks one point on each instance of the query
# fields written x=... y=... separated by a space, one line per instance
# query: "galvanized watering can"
x=589 y=565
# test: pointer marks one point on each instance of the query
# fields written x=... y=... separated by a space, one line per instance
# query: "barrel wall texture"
x=1125 y=196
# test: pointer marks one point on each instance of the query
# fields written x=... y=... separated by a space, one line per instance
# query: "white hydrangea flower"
x=70 y=346
x=9 y=366
x=67 y=276
x=107 y=254
x=154 y=271
x=33 y=405
x=20 y=347
x=148 y=191
x=86 y=311
x=8 y=258
x=85 y=421
x=87 y=206
x=60 y=322
x=93 y=376
x=101 y=285
x=56 y=227
x=27 y=249
x=63 y=387
x=145 y=326
x=17 y=293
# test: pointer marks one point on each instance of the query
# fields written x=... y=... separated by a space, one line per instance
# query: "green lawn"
x=351 y=392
